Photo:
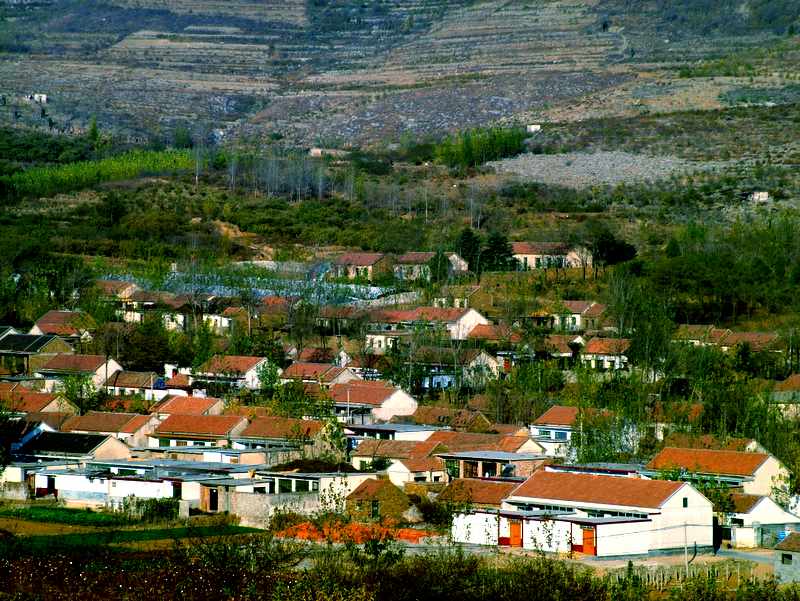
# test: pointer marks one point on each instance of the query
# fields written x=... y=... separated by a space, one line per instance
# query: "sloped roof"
x=22 y=400
x=201 y=425
x=324 y=372
x=75 y=363
x=708 y=461
x=558 y=415
x=362 y=392
x=369 y=489
x=178 y=380
x=758 y=341
x=687 y=331
x=356 y=258
x=560 y=343
x=539 y=248
x=606 y=346
x=102 y=421
x=186 y=405
x=743 y=503
x=575 y=306
x=415 y=258
x=454 y=442
x=791 y=543
x=316 y=355
x=481 y=492
x=281 y=427
x=64 y=442
x=605 y=490
x=394 y=449
x=446 y=356
x=422 y=464
x=25 y=343
x=52 y=418
x=494 y=332
x=65 y=323
x=706 y=441
x=229 y=364
x=434 y=415
x=132 y=379
x=114 y=287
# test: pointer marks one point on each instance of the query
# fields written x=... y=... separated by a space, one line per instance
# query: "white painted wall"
x=668 y=524
x=771 y=474
x=399 y=403
x=475 y=528
x=460 y=329
x=627 y=538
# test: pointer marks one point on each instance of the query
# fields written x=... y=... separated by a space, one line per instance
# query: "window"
x=685 y=502
x=376 y=509
x=561 y=435
x=180 y=443
x=284 y=485
x=544 y=433
x=302 y=486
x=786 y=559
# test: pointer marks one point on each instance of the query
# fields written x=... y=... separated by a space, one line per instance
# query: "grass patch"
x=65 y=515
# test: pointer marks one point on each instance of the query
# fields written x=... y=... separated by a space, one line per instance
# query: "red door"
x=515 y=532
x=589 y=541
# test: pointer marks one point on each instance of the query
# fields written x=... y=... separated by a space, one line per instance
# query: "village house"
x=554 y=428
x=24 y=354
x=361 y=265
x=606 y=354
x=95 y=367
x=604 y=516
x=188 y=405
x=197 y=430
x=464 y=420
x=544 y=255
x=146 y=384
x=173 y=310
x=491 y=464
x=381 y=399
x=699 y=334
x=16 y=399
x=477 y=493
x=116 y=291
x=457 y=323
x=377 y=499
x=233 y=371
x=49 y=446
x=472 y=441
x=390 y=431
x=404 y=461
x=323 y=374
x=457 y=297
x=74 y=327
x=756 y=521
x=750 y=473
x=563 y=348
x=413 y=266
x=130 y=428
x=577 y=315
x=446 y=367
x=304 y=434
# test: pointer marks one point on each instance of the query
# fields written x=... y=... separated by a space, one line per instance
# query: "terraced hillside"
x=344 y=71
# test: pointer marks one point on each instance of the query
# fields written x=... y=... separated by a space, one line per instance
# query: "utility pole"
x=685 y=550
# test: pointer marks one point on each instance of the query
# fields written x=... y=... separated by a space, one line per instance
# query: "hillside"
x=338 y=71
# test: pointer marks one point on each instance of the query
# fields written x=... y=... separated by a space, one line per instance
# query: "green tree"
x=498 y=255
x=468 y=247
x=80 y=391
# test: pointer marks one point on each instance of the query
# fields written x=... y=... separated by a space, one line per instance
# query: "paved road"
x=756 y=556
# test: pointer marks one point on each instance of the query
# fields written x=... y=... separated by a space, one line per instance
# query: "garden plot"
x=580 y=170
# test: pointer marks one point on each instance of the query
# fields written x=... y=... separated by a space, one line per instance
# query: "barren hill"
x=340 y=71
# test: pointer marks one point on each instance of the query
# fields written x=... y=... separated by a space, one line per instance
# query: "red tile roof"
x=356 y=258
x=323 y=372
x=455 y=442
x=362 y=392
x=186 y=405
x=394 y=449
x=481 y=492
x=132 y=379
x=229 y=364
x=75 y=363
x=706 y=441
x=27 y=401
x=415 y=258
x=743 y=503
x=422 y=464
x=707 y=461
x=494 y=333
x=178 y=380
x=65 y=323
x=316 y=355
x=369 y=489
x=606 y=346
x=282 y=427
x=101 y=421
x=574 y=306
x=604 y=490
x=558 y=415
x=791 y=543
x=758 y=341
x=200 y=425
x=539 y=248
x=560 y=343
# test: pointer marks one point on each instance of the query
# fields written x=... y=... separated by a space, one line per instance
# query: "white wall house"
x=553 y=430
x=668 y=513
x=751 y=513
